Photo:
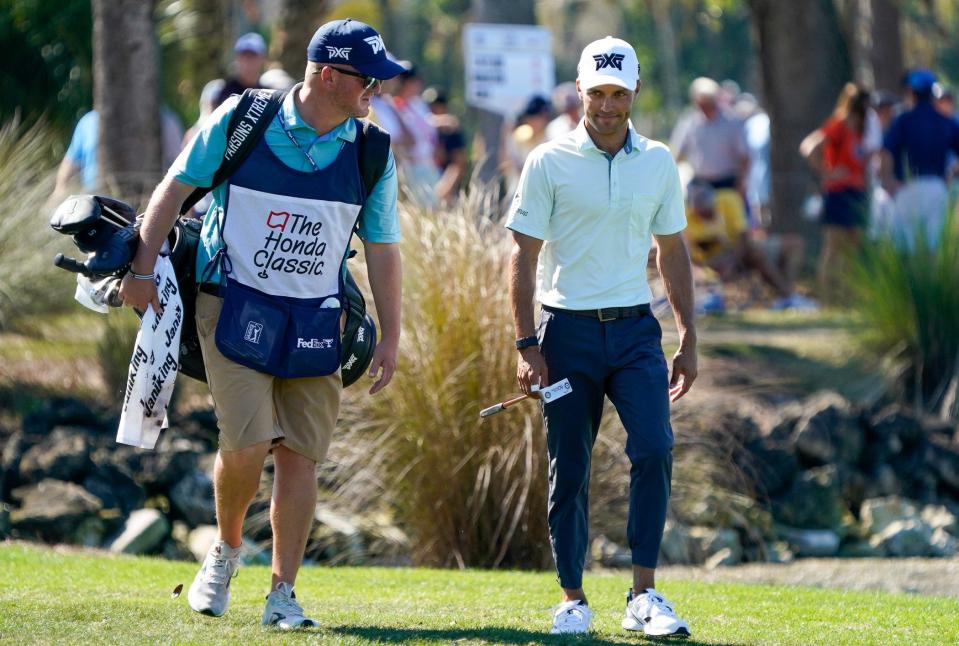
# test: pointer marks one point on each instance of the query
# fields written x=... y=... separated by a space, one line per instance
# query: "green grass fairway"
x=60 y=597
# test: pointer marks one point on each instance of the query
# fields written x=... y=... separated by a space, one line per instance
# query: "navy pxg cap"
x=351 y=42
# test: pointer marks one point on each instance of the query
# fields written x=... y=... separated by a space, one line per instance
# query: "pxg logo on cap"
x=351 y=42
x=608 y=61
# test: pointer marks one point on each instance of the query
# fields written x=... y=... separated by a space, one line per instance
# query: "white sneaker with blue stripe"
x=652 y=614
x=571 y=617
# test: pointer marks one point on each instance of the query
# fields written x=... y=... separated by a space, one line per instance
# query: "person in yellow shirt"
x=719 y=239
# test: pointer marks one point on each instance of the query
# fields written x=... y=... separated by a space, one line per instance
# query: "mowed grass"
x=69 y=597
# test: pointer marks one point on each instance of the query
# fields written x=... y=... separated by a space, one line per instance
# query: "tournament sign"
x=506 y=65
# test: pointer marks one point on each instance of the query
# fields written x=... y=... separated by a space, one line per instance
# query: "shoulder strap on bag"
x=249 y=121
x=373 y=148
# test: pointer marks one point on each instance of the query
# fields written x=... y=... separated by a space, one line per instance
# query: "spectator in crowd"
x=719 y=239
x=276 y=78
x=208 y=97
x=714 y=144
x=839 y=154
x=451 y=149
x=914 y=159
x=81 y=156
x=568 y=106
x=530 y=131
x=417 y=160
x=249 y=55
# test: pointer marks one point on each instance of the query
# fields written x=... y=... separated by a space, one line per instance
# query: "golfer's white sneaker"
x=651 y=613
x=210 y=591
x=571 y=617
x=283 y=611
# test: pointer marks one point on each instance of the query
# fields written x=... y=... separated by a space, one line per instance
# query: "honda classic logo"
x=292 y=245
x=253 y=332
x=314 y=344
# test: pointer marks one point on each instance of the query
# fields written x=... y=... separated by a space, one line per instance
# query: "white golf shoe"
x=651 y=613
x=283 y=611
x=571 y=617
x=210 y=591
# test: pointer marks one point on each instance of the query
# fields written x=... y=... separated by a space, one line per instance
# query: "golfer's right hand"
x=531 y=369
x=139 y=293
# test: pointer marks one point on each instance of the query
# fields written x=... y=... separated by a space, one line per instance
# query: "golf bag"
x=106 y=229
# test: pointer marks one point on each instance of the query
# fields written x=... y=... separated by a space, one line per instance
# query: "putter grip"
x=492 y=410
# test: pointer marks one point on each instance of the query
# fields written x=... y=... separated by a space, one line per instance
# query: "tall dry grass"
x=471 y=492
x=29 y=283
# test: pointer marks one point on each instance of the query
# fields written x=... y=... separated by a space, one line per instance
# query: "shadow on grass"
x=497 y=635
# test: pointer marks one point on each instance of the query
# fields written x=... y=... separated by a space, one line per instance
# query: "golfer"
x=298 y=196
x=584 y=216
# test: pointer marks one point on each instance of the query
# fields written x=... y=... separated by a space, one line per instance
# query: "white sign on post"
x=506 y=65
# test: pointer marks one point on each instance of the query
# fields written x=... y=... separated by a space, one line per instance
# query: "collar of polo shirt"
x=585 y=142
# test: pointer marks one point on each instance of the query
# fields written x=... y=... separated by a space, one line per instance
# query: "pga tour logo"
x=314 y=344
x=253 y=332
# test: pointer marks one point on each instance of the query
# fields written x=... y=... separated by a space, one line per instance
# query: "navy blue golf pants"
x=621 y=359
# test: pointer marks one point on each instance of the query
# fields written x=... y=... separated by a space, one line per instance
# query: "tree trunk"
x=489 y=125
x=804 y=62
x=298 y=21
x=126 y=96
x=886 y=45
x=666 y=41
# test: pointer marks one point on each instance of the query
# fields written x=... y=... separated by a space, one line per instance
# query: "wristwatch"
x=526 y=342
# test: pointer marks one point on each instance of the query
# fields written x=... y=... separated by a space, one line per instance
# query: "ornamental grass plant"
x=29 y=283
x=908 y=299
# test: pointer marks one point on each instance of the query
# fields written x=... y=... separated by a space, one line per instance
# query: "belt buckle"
x=602 y=318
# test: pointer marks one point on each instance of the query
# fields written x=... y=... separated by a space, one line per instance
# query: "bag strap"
x=373 y=149
x=250 y=119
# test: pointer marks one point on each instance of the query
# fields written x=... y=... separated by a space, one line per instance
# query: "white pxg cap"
x=608 y=61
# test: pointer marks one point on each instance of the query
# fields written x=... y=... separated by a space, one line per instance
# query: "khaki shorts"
x=253 y=407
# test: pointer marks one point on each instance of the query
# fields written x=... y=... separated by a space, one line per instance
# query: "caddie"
x=586 y=211
x=271 y=298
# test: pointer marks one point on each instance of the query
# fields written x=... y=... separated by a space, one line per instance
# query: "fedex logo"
x=314 y=344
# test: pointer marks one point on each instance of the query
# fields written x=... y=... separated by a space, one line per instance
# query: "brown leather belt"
x=605 y=313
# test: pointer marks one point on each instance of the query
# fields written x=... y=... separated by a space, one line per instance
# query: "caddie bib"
x=285 y=235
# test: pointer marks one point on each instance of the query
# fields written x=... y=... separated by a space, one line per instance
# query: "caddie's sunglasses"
x=368 y=81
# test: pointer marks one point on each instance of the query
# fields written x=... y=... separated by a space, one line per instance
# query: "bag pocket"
x=312 y=341
x=251 y=328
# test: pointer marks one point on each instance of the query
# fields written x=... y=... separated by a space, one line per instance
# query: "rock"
x=52 y=511
x=770 y=464
x=881 y=482
x=609 y=554
x=675 y=548
x=116 y=488
x=200 y=540
x=943 y=459
x=904 y=538
x=336 y=539
x=810 y=542
x=173 y=460
x=10 y=463
x=814 y=501
x=90 y=532
x=877 y=514
x=829 y=430
x=943 y=544
x=779 y=552
x=64 y=455
x=707 y=541
x=860 y=548
x=939 y=517
x=192 y=498
x=897 y=421
x=725 y=556
x=4 y=520
x=61 y=411
x=144 y=532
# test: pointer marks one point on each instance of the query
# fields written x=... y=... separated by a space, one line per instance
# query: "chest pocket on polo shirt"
x=642 y=210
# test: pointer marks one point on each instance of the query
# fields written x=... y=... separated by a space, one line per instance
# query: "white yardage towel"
x=154 y=365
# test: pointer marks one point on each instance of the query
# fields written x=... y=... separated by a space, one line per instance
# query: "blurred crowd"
x=885 y=163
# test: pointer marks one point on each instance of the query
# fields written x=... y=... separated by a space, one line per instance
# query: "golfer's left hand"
x=684 y=373
x=383 y=364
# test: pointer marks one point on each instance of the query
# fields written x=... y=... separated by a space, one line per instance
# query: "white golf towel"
x=154 y=365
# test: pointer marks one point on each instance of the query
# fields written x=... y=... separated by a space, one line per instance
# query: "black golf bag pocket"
x=312 y=340
x=252 y=327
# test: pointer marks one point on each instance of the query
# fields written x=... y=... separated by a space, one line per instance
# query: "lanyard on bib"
x=306 y=152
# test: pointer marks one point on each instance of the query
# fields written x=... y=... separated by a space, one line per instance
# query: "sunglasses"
x=368 y=81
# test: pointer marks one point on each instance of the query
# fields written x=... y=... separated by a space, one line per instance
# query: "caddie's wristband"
x=150 y=276
x=526 y=342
